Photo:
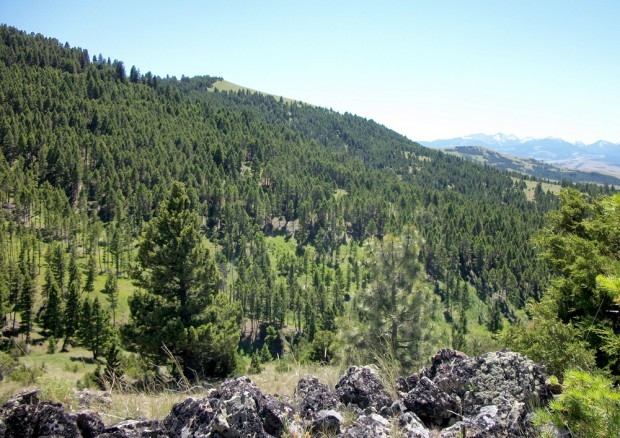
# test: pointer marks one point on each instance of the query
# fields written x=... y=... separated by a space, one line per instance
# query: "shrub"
x=588 y=407
x=547 y=339
x=55 y=389
x=26 y=375
x=255 y=366
x=7 y=364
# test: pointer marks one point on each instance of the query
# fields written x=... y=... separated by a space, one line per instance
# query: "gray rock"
x=432 y=404
x=26 y=416
x=361 y=386
x=503 y=379
x=89 y=423
x=87 y=399
x=135 y=429
x=373 y=425
x=411 y=426
x=314 y=396
x=191 y=416
x=277 y=415
x=327 y=422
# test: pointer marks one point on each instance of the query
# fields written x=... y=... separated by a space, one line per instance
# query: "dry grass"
x=134 y=405
x=272 y=382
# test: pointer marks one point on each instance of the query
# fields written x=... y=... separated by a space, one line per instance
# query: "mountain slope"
x=529 y=166
x=601 y=156
x=89 y=150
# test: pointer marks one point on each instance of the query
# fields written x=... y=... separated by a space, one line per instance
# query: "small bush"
x=71 y=367
x=255 y=365
x=588 y=407
x=282 y=366
x=51 y=345
x=26 y=375
x=91 y=380
x=265 y=355
x=7 y=364
x=56 y=389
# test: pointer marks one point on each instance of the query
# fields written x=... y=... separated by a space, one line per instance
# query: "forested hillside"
x=292 y=216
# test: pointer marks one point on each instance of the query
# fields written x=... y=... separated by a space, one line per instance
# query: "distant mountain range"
x=529 y=166
x=601 y=156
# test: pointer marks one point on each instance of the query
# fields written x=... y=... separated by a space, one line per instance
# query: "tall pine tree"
x=179 y=282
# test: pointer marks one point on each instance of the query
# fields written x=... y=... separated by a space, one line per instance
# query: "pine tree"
x=97 y=333
x=111 y=290
x=71 y=315
x=91 y=273
x=395 y=310
x=4 y=288
x=57 y=263
x=180 y=282
x=26 y=305
x=51 y=317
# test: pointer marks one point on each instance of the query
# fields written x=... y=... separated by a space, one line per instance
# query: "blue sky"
x=428 y=69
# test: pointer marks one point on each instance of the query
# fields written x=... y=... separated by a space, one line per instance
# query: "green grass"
x=229 y=86
x=547 y=187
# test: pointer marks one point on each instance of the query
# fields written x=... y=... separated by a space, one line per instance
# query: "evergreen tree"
x=4 y=288
x=95 y=332
x=179 y=280
x=113 y=372
x=111 y=290
x=71 y=315
x=91 y=272
x=26 y=305
x=51 y=318
x=57 y=264
x=396 y=309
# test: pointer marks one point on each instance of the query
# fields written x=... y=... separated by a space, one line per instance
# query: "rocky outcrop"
x=362 y=387
x=484 y=396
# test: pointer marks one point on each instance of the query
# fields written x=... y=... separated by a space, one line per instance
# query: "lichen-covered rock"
x=497 y=392
x=89 y=423
x=87 y=399
x=277 y=415
x=411 y=426
x=237 y=408
x=327 y=422
x=362 y=387
x=314 y=396
x=191 y=416
x=432 y=404
x=135 y=429
x=26 y=416
x=373 y=425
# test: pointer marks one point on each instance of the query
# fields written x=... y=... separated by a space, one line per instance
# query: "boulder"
x=236 y=409
x=362 y=387
x=26 y=416
x=327 y=423
x=89 y=423
x=373 y=425
x=411 y=426
x=314 y=396
x=191 y=416
x=491 y=394
x=432 y=404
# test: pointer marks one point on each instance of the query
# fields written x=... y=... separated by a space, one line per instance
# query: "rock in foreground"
x=457 y=396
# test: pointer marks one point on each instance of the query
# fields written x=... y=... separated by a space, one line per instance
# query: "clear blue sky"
x=428 y=69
